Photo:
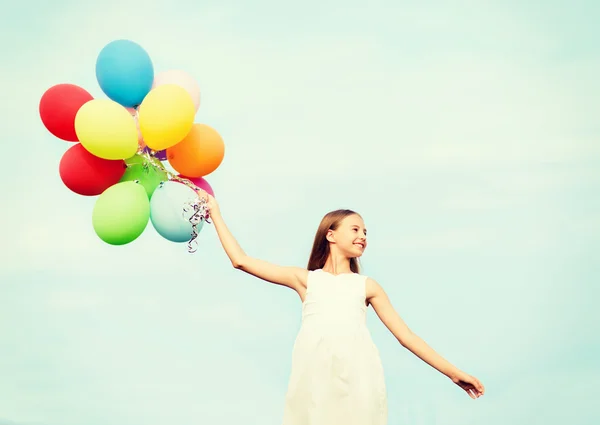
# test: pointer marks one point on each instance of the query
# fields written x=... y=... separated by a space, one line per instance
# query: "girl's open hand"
x=470 y=384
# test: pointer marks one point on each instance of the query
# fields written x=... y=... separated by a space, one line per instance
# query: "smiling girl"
x=337 y=376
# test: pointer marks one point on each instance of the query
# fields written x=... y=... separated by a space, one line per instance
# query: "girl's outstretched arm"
x=292 y=277
x=392 y=320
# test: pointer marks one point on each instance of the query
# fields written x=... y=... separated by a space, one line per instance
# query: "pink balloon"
x=201 y=183
x=182 y=79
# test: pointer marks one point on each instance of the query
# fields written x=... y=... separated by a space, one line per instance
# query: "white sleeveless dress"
x=337 y=376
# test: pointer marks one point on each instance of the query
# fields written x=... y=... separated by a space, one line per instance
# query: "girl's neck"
x=337 y=264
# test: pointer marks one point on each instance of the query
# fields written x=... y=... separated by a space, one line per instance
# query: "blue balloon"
x=125 y=72
x=167 y=211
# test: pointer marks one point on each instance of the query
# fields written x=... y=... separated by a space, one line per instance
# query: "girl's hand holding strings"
x=211 y=204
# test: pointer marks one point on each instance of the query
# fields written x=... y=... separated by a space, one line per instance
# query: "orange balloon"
x=199 y=153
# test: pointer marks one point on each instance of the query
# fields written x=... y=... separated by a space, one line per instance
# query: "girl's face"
x=350 y=237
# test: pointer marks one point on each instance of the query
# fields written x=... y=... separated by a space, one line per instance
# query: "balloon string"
x=197 y=206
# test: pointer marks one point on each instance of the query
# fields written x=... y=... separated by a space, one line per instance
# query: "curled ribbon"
x=194 y=211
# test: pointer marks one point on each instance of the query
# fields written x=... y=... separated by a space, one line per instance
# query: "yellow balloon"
x=106 y=129
x=166 y=116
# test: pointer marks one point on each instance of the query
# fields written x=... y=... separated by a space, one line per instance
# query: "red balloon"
x=58 y=107
x=201 y=183
x=88 y=175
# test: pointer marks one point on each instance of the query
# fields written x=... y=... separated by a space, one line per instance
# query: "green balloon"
x=141 y=169
x=121 y=213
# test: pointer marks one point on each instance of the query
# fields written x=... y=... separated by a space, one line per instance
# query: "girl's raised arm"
x=292 y=277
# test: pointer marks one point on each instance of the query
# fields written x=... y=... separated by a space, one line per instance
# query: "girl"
x=336 y=376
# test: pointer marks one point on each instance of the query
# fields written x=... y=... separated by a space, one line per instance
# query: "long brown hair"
x=320 y=250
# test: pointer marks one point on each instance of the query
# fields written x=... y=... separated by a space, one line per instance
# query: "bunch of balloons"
x=121 y=143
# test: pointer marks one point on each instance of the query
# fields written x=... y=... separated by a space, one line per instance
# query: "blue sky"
x=467 y=134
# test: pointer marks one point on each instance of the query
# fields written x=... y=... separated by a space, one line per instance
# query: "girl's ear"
x=329 y=236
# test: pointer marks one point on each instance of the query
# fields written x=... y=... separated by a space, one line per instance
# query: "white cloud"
x=223 y=312
x=72 y=301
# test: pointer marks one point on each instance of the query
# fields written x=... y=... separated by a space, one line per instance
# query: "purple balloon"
x=160 y=155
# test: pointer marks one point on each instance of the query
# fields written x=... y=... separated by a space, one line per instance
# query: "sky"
x=467 y=135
